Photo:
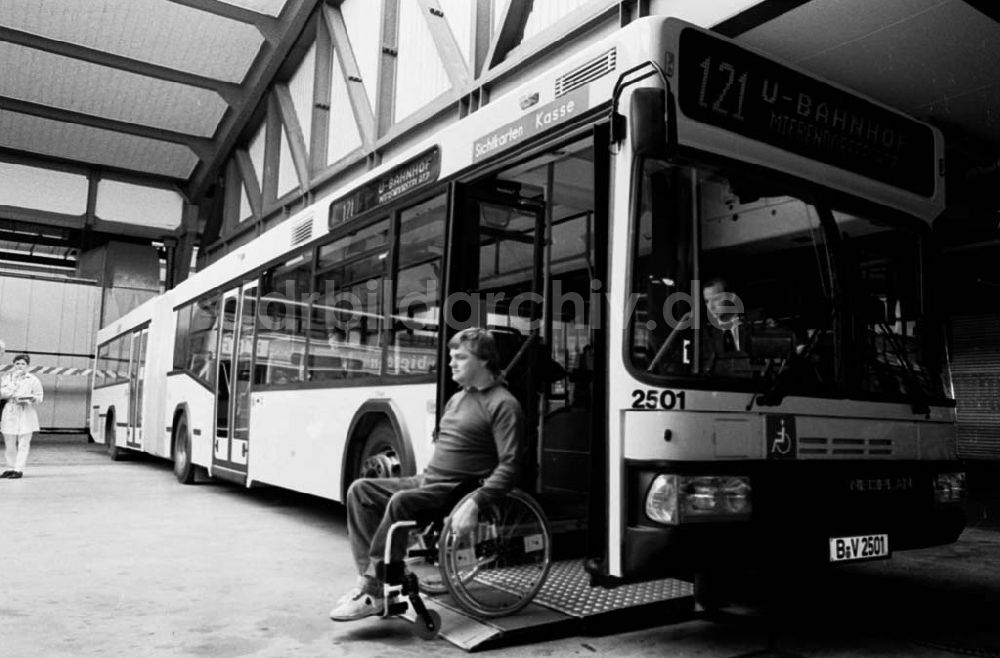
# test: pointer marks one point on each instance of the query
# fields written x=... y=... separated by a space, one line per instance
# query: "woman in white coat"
x=20 y=420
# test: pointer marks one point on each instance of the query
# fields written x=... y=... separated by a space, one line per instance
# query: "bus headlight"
x=676 y=499
x=949 y=487
x=661 y=501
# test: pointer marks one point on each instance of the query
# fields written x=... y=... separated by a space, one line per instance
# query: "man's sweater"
x=480 y=436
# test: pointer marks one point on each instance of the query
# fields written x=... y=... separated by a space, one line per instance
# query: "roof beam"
x=244 y=166
x=34 y=238
x=12 y=257
x=322 y=84
x=272 y=156
x=293 y=131
x=385 y=104
x=755 y=16
x=272 y=55
x=22 y=215
x=200 y=146
x=483 y=25
x=85 y=169
x=511 y=31
x=231 y=93
x=360 y=105
x=444 y=42
x=269 y=27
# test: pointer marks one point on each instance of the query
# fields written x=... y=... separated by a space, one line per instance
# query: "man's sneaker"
x=364 y=583
x=357 y=604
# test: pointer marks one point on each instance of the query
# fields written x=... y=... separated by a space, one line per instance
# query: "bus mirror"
x=647 y=119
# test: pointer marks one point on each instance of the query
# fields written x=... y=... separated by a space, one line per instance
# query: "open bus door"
x=495 y=280
x=232 y=383
x=538 y=227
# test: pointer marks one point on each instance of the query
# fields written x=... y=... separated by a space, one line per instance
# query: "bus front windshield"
x=735 y=285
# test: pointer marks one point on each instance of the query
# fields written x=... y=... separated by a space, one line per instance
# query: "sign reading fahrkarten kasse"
x=535 y=121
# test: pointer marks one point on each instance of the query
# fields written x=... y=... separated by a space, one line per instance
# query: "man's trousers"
x=374 y=504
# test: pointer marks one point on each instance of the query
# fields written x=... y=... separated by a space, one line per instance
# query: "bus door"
x=232 y=383
x=136 y=375
x=496 y=280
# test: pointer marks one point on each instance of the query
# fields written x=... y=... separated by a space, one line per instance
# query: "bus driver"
x=480 y=436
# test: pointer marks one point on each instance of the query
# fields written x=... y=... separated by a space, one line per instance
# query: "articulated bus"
x=583 y=214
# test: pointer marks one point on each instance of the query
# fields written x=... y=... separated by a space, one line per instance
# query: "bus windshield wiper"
x=919 y=401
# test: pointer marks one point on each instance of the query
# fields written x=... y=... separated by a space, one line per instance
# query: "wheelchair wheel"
x=498 y=568
x=424 y=565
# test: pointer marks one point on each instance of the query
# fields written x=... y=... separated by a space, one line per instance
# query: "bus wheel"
x=379 y=457
x=114 y=452
x=184 y=469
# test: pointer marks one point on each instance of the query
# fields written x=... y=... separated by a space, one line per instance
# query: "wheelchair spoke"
x=499 y=567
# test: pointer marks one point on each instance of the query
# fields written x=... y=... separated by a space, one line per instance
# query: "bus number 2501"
x=652 y=398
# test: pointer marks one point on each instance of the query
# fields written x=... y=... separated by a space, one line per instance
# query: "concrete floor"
x=117 y=559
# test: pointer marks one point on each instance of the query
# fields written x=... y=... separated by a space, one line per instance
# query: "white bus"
x=582 y=211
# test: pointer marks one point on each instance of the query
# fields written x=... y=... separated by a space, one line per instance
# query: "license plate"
x=862 y=547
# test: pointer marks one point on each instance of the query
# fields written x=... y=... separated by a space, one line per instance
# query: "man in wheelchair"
x=480 y=437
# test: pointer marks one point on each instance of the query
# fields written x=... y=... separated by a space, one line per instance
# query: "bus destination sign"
x=726 y=86
x=412 y=174
x=561 y=110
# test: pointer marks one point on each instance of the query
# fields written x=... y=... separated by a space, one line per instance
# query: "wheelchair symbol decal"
x=781 y=439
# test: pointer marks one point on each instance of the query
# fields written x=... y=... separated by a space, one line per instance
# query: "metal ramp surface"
x=567 y=605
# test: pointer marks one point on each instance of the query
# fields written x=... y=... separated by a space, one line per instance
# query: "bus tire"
x=184 y=469
x=114 y=452
x=379 y=454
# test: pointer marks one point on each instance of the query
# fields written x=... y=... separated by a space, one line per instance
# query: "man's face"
x=721 y=303
x=465 y=366
x=21 y=365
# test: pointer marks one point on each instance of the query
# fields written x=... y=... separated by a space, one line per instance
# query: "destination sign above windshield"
x=732 y=88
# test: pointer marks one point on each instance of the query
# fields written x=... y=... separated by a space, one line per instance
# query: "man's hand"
x=465 y=517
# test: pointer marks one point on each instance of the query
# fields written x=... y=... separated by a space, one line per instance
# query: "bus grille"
x=587 y=73
x=821 y=446
x=302 y=231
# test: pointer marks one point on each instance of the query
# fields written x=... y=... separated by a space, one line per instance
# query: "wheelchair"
x=494 y=570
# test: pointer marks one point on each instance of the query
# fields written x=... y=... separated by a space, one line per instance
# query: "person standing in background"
x=19 y=420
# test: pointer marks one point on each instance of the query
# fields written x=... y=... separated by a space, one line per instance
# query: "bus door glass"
x=223 y=379
x=137 y=372
x=240 y=396
x=232 y=386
